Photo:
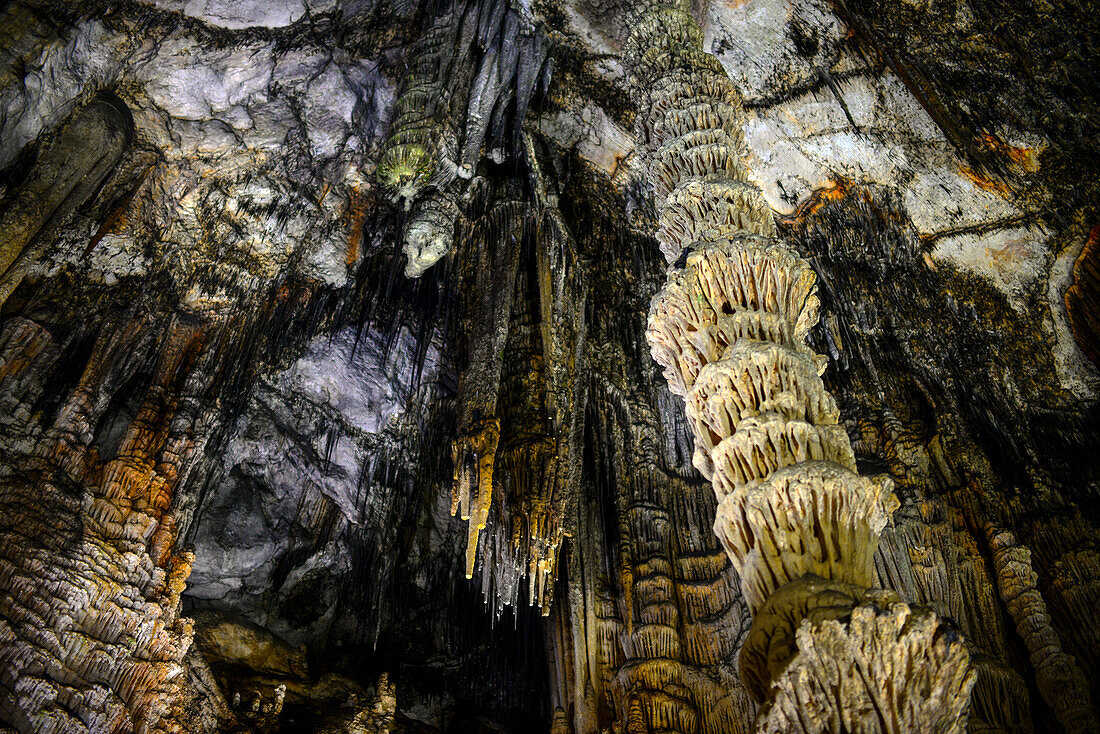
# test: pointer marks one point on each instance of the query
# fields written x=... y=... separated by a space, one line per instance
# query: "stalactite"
x=729 y=331
x=476 y=66
x=562 y=291
x=421 y=147
x=491 y=273
x=531 y=453
x=429 y=234
x=74 y=163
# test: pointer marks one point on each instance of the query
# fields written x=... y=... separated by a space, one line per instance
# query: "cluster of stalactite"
x=471 y=78
x=515 y=454
x=825 y=653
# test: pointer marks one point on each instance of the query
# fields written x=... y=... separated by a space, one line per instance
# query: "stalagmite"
x=1060 y=680
x=90 y=633
x=874 y=668
x=799 y=524
x=814 y=517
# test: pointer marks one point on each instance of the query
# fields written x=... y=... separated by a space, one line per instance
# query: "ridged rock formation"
x=1060 y=680
x=869 y=668
x=90 y=633
x=212 y=364
x=729 y=331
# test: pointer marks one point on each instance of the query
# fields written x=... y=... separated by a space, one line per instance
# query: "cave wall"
x=231 y=415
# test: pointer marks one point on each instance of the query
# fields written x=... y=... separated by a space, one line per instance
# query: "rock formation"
x=328 y=400
x=83 y=152
x=729 y=331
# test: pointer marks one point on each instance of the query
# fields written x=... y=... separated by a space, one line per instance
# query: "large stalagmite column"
x=801 y=526
x=91 y=639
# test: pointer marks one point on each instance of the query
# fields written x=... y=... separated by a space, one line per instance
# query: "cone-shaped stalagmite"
x=800 y=525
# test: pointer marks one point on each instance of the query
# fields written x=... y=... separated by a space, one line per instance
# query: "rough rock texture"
x=211 y=356
x=880 y=648
x=1060 y=680
x=89 y=583
x=1083 y=297
x=84 y=151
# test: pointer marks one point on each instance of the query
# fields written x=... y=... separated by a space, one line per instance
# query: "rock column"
x=91 y=638
x=825 y=652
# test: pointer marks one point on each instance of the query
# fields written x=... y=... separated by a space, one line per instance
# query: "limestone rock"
x=1083 y=298
x=1060 y=679
x=862 y=674
x=806 y=518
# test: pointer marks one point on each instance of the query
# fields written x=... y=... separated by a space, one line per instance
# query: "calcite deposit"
x=791 y=506
x=83 y=152
x=332 y=336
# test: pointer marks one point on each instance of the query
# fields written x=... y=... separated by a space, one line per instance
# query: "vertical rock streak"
x=800 y=525
x=83 y=152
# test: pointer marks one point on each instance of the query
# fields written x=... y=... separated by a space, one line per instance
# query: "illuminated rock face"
x=799 y=524
x=909 y=669
x=90 y=633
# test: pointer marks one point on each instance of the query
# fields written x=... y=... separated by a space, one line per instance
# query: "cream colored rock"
x=738 y=287
x=674 y=89
x=813 y=517
x=661 y=58
x=762 y=446
x=696 y=210
x=891 y=670
x=753 y=378
x=707 y=155
x=685 y=351
x=429 y=234
x=699 y=116
x=771 y=643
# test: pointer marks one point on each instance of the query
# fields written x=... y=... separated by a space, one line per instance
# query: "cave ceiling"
x=402 y=366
